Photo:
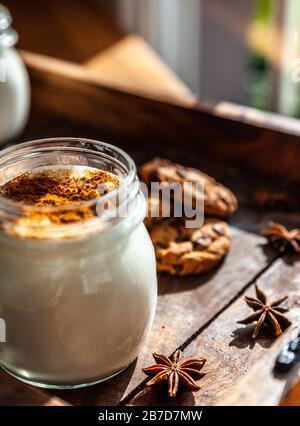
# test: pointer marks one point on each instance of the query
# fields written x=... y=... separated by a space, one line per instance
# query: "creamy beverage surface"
x=59 y=186
x=76 y=309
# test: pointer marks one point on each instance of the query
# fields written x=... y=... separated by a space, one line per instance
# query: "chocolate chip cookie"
x=219 y=201
x=183 y=251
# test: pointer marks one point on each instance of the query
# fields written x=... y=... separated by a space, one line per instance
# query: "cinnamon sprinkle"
x=58 y=187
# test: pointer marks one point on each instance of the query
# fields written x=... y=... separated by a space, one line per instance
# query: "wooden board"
x=197 y=314
x=227 y=347
x=263 y=386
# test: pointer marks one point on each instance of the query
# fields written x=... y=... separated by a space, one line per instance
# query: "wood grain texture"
x=83 y=96
x=262 y=386
x=227 y=346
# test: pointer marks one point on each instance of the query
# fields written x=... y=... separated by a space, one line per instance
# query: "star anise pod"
x=268 y=314
x=174 y=371
x=281 y=238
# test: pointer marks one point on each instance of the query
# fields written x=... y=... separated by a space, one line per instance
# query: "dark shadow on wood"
x=172 y=284
x=242 y=338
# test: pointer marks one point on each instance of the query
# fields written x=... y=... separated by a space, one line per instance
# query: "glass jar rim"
x=62 y=145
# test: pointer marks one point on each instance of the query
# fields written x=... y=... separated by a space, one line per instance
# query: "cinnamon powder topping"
x=59 y=187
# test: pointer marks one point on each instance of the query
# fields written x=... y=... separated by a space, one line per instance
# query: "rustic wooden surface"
x=263 y=386
x=226 y=344
x=197 y=314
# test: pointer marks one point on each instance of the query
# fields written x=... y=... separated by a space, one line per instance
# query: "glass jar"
x=77 y=299
x=14 y=82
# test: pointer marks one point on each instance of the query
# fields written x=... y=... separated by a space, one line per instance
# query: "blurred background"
x=242 y=51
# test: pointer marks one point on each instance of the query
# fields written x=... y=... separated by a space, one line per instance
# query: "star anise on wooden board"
x=281 y=238
x=266 y=314
x=175 y=371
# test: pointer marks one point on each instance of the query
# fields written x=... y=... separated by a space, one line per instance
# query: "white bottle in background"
x=14 y=82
